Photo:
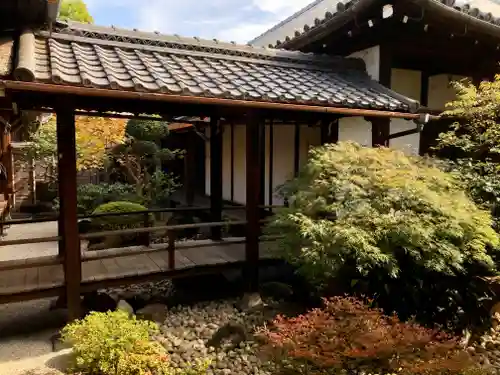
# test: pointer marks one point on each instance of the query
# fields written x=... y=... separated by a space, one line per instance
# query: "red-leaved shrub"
x=349 y=335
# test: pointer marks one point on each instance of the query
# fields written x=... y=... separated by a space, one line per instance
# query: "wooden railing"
x=169 y=230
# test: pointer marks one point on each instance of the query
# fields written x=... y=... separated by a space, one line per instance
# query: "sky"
x=227 y=20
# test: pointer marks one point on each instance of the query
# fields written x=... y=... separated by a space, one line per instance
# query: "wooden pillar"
x=7 y=161
x=271 y=162
x=262 y=163
x=296 y=150
x=190 y=168
x=69 y=247
x=253 y=186
x=424 y=100
x=380 y=131
x=329 y=130
x=216 y=176
x=381 y=127
x=232 y=162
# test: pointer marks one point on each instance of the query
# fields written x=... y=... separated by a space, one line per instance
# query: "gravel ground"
x=188 y=333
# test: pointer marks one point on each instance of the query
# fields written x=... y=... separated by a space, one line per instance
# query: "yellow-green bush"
x=114 y=343
x=377 y=222
x=122 y=221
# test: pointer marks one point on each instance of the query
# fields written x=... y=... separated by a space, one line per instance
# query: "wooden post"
x=329 y=130
x=262 y=164
x=171 y=249
x=296 y=150
x=253 y=186
x=147 y=224
x=216 y=176
x=271 y=162
x=190 y=168
x=8 y=163
x=68 y=216
x=232 y=162
x=380 y=131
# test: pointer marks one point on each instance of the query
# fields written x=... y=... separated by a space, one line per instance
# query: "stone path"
x=24 y=231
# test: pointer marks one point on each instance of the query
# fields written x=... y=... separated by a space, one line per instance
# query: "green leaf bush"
x=114 y=343
x=109 y=223
x=395 y=227
x=91 y=196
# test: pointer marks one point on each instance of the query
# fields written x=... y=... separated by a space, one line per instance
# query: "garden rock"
x=250 y=301
x=125 y=306
x=156 y=312
x=99 y=302
x=276 y=290
x=233 y=333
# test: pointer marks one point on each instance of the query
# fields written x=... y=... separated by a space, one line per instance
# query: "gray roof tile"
x=228 y=71
x=320 y=12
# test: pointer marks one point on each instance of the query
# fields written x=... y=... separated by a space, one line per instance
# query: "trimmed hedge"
x=120 y=222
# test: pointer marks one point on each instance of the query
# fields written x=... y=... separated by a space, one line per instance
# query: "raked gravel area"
x=187 y=333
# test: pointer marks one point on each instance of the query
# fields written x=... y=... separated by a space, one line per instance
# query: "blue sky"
x=229 y=20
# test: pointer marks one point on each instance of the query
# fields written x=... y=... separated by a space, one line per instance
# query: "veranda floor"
x=51 y=277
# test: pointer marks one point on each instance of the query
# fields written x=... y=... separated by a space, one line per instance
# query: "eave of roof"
x=455 y=10
x=91 y=60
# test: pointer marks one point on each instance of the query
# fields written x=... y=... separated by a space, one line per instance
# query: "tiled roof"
x=321 y=12
x=114 y=59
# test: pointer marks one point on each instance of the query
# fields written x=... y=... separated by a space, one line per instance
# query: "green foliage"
x=380 y=222
x=43 y=149
x=75 y=10
x=119 y=222
x=473 y=142
x=147 y=130
x=91 y=196
x=141 y=158
x=114 y=343
x=348 y=334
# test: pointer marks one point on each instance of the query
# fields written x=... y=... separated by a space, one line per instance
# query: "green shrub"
x=91 y=196
x=114 y=343
x=108 y=223
x=395 y=227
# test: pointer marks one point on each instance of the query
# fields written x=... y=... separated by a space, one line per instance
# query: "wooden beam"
x=329 y=130
x=262 y=163
x=216 y=175
x=296 y=149
x=380 y=132
x=68 y=219
x=271 y=162
x=232 y=161
x=190 y=168
x=253 y=186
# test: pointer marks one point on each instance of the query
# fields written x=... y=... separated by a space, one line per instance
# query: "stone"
x=234 y=333
x=125 y=306
x=495 y=315
x=277 y=290
x=99 y=302
x=156 y=312
x=250 y=301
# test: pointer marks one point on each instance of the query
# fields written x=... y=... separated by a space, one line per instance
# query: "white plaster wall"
x=283 y=159
x=441 y=91
x=371 y=57
x=406 y=82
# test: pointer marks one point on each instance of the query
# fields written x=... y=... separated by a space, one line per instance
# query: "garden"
x=394 y=263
